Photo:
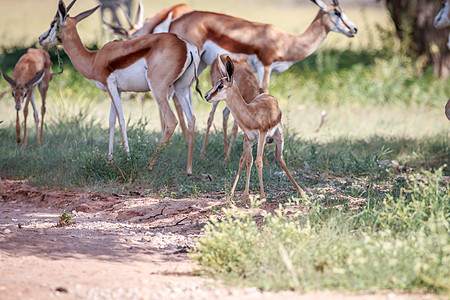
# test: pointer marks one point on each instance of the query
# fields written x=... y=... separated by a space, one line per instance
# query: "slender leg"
x=259 y=161
x=17 y=127
x=209 y=124
x=279 y=140
x=161 y=118
x=180 y=115
x=36 y=118
x=2 y=189
x=241 y=166
x=249 y=157
x=233 y=136
x=25 y=116
x=43 y=87
x=170 y=122
x=112 y=128
x=115 y=97
x=266 y=79
x=225 y=116
x=184 y=96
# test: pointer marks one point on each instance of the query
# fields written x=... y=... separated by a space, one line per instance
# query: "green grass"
x=400 y=243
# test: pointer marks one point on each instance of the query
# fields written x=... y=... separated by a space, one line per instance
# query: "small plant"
x=65 y=219
x=400 y=243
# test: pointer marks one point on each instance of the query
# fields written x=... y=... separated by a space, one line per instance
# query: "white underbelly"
x=281 y=66
x=133 y=78
x=164 y=25
x=210 y=51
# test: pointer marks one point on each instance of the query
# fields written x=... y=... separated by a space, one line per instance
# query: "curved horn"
x=70 y=5
x=140 y=15
x=320 y=4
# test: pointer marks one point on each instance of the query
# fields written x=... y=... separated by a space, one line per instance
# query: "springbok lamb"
x=259 y=120
x=248 y=86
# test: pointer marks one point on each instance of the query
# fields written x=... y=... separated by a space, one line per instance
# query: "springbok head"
x=20 y=91
x=220 y=89
x=340 y=23
x=51 y=36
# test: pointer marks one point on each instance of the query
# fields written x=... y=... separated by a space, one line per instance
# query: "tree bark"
x=413 y=21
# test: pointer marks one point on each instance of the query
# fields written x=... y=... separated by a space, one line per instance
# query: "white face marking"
x=342 y=23
x=442 y=18
x=48 y=38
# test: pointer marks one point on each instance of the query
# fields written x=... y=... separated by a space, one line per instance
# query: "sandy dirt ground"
x=118 y=247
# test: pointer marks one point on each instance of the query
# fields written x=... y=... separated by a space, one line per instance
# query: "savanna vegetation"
x=377 y=210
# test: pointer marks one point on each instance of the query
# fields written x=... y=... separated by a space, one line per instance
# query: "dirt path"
x=119 y=247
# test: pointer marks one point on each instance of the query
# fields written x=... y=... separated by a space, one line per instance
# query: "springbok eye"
x=220 y=87
x=337 y=13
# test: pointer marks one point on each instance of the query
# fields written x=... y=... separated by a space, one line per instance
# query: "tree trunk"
x=413 y=21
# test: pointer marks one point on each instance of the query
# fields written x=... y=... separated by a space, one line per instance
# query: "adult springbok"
x=270 y=49
x=248 y=87
x=156 y=23
x=259 y=120
x=442 y=20
x=162 y=63
x=33 y=68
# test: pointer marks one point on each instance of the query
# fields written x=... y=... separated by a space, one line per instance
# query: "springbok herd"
x=165 y=55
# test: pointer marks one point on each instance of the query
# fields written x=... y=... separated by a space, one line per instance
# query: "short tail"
x=196 y=77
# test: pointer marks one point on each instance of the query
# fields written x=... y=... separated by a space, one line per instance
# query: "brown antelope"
x=248 y=86
x=162 y=63
x=33 y=68
x=270 y=49
x=259 y=120
x=156 y=23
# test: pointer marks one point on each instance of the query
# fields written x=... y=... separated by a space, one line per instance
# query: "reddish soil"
x=118 y=247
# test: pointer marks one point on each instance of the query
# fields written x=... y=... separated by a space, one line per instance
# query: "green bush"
x=400 y=244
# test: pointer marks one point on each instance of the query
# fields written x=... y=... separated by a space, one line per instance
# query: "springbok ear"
x=230 y=69
x=320 y=4
x=222 y=69
x=62 y=10
x=86 y=14
x=11 y=82
x=36 y=78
